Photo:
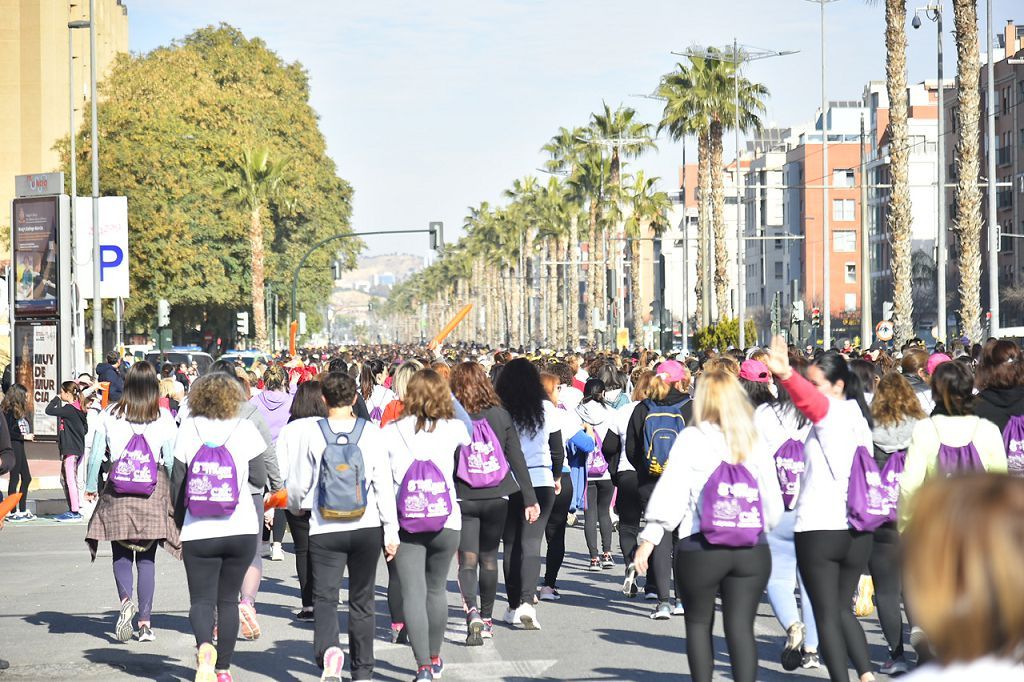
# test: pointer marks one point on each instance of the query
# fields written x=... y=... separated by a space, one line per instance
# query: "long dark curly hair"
x=518 y=385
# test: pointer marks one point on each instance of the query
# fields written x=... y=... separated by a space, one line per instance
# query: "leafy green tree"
x=173 y=122
x=723 y=334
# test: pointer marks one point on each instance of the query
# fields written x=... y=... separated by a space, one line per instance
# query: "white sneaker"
x=511 y=617
x=527 y=615
x=276 y=552
x=548 y=594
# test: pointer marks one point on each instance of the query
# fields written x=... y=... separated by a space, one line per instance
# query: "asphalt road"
x=59 y=610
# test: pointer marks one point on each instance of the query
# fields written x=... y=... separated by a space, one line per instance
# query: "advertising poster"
x=35 y=256
x=35 y=364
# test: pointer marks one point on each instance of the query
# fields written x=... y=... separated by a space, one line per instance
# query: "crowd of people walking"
x=726 y=476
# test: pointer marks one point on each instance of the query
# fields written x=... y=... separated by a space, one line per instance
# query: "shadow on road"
x=141 y=666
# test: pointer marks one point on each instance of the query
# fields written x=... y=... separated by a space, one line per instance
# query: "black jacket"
x=109 y=373
x=72 y=426
x=636 y=453
x=6 y=452
x=999 y=404
x=505 y=430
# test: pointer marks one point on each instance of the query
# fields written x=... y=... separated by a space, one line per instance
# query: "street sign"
x=113 y=246
x=884 y=330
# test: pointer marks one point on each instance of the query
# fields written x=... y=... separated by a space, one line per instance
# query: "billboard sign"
x=38 y=185
x=113 y=212
x=36 y=360
x=35 y=256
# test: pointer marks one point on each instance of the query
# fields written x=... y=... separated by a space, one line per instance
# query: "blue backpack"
x=341 y=491
x=661 y=427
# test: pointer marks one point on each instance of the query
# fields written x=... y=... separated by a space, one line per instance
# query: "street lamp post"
x=97 y=300
x=826 y=246
x=934 y=12
x=79 y=336
x=737 y=57
x=993 y=222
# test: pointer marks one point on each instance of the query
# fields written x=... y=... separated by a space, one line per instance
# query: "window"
x=778 y=242
x=778 y=270
x=843 y=210
x=850 y=302
x=843 y=177
x=851 y=273
x=844 y=241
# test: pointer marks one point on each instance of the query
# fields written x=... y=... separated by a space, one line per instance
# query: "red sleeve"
x=807 y=398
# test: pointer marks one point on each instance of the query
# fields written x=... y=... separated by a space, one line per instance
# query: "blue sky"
x=429 y=107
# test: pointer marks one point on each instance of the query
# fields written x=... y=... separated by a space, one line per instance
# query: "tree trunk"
x=572 y=305
x=702 y=312
x=634 y=288
x=968 y=221
x=899 y=196
x=259 y=311
x=718 y=218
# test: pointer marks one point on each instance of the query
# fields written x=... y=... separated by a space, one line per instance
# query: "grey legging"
x=422 y=565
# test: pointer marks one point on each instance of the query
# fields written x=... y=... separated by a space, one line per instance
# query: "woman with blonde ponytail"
x=719 y=489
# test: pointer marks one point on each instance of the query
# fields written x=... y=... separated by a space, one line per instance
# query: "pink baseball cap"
x=755 y=370
x=935 y=360
x=671 y=371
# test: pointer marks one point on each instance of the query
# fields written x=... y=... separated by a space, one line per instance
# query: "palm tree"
x=587 y=186
x=899 y=216
x=967 y=223
x=648 y=214
x=253 y=181
x=726 y=85
x=687 y=112
x=567 y=151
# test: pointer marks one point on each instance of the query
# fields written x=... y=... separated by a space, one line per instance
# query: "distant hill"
x=373 y=269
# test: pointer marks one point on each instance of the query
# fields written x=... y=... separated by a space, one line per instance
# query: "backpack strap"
x=350 y=436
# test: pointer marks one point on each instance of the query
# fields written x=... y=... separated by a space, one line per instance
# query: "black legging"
x=741 y=576
x=395 y=607
x=659 y=572
x=20 y=475
x=598 y=511
x=522 y=547
x=629 y=509
x=483 y=523
x=885 y=573
x=214 y=569
x=554 y=532
x=831 y=563
x=275 y=533
x=298 y=524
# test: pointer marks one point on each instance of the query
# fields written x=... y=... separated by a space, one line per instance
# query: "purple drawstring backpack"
x=597 y=465
x=953 y=460
x=136 y=470
x=482 y=463
x=891 y=474
x=790 y=463
x=731 y=514
x=424 y=499
x=1013 y=440
x=867 y=500
x=211 y=484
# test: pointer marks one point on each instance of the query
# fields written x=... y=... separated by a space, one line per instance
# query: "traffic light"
x=815 y=317
x=436 y=236
x=336 y=270
x=242 y=320
x=163 y=313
